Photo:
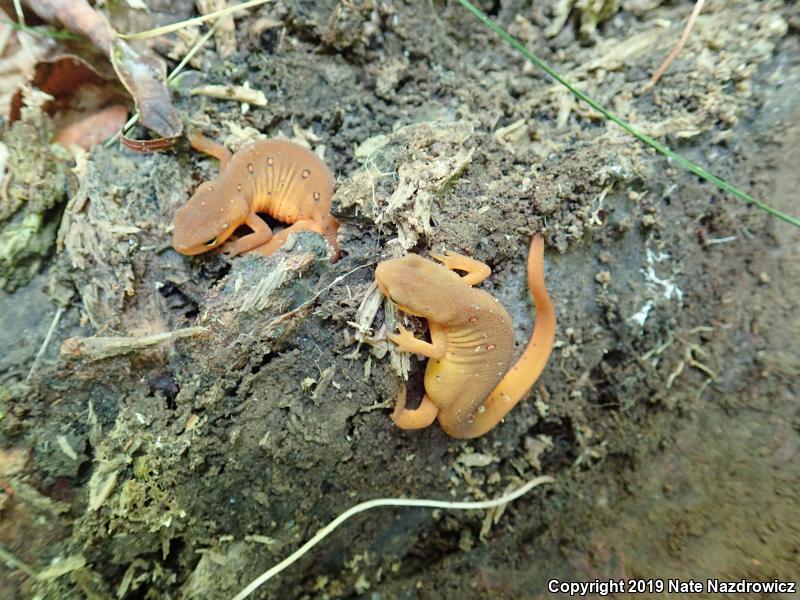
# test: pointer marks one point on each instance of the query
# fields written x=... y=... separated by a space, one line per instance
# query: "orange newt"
x=276 y=177
x=468 y=383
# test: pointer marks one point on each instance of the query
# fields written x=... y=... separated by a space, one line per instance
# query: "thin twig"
x=142 y=35
x=45 y=343
x=698 y=6
x=402 y=502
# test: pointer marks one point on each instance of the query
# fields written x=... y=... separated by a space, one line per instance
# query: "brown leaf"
x=78 y=17
x=87 y=108
x=145 y=76
x=141 y=72
x=94 y=129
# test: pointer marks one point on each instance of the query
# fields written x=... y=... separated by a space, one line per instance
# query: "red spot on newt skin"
x=300 y=196
x=473 y=319
x=491 y=346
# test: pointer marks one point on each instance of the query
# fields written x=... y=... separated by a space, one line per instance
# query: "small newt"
x=276 y=177
x=469 y=386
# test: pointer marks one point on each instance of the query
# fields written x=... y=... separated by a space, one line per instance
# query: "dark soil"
x=668 y=411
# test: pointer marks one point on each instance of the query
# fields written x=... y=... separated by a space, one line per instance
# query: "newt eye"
x=211 y=242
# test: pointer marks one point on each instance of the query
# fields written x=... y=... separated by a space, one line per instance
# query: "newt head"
x=208 y=219
x=420 y=287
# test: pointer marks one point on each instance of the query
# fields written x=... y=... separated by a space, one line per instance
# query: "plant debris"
x=141 y=72
x=98 y=348
x=404 y=174
x=32 y=185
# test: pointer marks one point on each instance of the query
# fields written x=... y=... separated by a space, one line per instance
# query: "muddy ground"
x=667 y=414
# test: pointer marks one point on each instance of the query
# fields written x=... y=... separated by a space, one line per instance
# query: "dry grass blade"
x=143 y=35
x=20 y=14
x=698 y=6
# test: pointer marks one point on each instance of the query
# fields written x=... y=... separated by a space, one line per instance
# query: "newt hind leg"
x=262 y=233
x=417 y=418
x=476 y=271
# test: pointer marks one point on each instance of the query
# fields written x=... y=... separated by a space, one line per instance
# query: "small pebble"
x=602 y=277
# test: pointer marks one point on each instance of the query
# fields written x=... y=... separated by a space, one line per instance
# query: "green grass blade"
x=685 y=163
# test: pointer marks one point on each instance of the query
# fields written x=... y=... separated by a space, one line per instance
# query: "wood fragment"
x=62 y=567
x=236 y=93
x=98 y=348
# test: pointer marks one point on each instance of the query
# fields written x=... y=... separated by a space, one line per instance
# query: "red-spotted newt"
x=469 y=386
x=276 y=177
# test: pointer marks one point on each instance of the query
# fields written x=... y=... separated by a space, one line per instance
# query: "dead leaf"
x=87 y=108
x=141 y=72
x=78 y=17
x=94 y=129
x=145 y=77
x=19 y=53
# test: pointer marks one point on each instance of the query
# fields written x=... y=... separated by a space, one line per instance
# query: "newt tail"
x=521 y=377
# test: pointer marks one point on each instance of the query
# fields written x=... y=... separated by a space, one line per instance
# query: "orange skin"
x=276 y=177
x=469 y=386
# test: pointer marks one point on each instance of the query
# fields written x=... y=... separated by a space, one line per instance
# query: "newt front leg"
x=476 y=271
x=406 y=342
x=280 y=238
x=260 y=236
x=426 y=412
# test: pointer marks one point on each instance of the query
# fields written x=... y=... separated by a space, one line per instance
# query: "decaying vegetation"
x=170 y=427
